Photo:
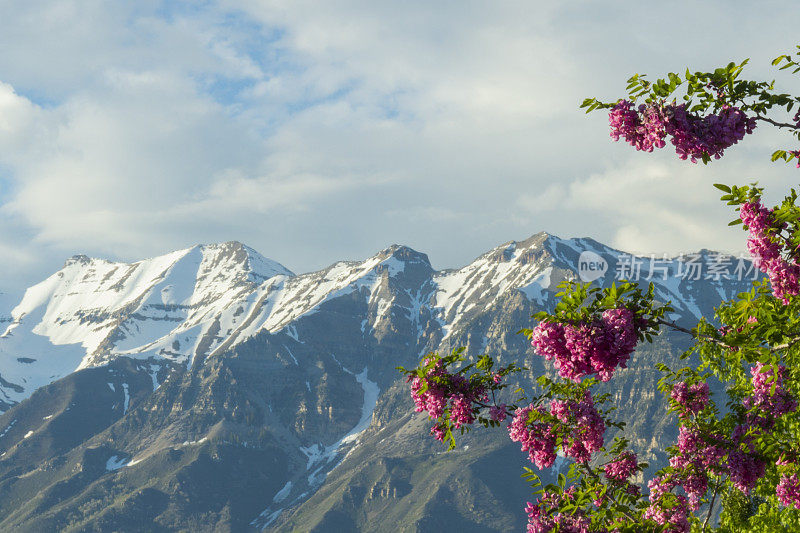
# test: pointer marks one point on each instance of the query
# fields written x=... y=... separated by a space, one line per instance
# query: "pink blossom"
x=622 y=467
x=788 y=491
x=538 y=439
x=439 y=391
x=769 y=393
x=586 y=427
x=674 y=515
x=498 y=412
x=784 y=276
x=693 y=398
x=745 y=470
x=693 y=136
x=595 y=347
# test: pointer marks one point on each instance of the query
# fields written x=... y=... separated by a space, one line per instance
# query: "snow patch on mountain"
x=115 y=462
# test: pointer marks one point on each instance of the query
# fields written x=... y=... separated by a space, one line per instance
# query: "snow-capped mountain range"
x=213 y=389
x=185 y=306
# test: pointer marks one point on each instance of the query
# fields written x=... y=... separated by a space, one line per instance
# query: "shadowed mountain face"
x=211 y=389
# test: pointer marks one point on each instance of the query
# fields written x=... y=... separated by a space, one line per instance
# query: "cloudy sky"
x=318 y=131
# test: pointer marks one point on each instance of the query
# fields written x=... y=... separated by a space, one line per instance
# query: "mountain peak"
x=78 y=259
x=405 y=254
x=537 y=239
x=545 y=239
x=234 y=252
x=522 y=251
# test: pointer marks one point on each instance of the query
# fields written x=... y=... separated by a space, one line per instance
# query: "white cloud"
x=656 y=203
x=318 y=131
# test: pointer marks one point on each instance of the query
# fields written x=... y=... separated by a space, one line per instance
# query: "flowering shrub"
x=736 y=469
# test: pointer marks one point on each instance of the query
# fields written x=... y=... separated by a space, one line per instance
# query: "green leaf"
x=778 y=154
x=779 y=59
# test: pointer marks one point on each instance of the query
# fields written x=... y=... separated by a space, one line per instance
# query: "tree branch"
x=711 y=504
x=791 y=342
x=777 y=124
x=676 y=327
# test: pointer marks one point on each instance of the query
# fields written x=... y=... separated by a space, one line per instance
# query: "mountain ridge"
x=202 y=300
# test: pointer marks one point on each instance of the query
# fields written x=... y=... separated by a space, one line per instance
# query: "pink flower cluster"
x=579 y=431
x=543 y=516
x=537 y=438
x=434 y=399
x=696 y=459
x=770 y=399
x=498 y=412
x=595 y=347
x=784 y=276
x=586 y=427
x=443 y=388
x=769 y=392
x=693 y=136
x=737 y=456
x=674 y=516
x=788 y=491
x=644 y=130
x=745 y=467
x=693 y=398
x=621 y=468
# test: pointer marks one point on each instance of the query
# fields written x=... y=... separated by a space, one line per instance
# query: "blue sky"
x=318 y=131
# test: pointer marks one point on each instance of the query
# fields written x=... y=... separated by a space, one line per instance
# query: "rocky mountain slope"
x=212 y=389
